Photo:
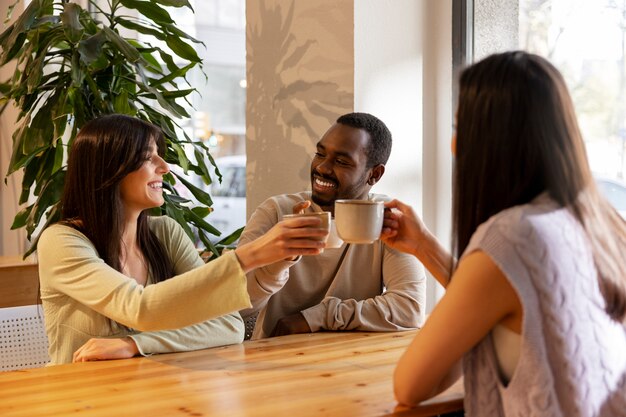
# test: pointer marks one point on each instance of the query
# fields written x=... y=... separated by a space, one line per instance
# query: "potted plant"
x=74 y=65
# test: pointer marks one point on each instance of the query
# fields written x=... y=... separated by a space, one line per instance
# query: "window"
x=218 y=113
x=586 y=41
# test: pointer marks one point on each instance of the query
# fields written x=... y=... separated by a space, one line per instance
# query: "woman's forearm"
x=435 y=258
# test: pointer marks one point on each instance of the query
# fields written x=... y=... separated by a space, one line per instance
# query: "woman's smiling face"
x=143 y=188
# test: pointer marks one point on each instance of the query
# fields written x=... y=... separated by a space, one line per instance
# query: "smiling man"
x=367 y=287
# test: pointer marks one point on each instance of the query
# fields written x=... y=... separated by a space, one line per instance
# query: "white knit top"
x=573 y=355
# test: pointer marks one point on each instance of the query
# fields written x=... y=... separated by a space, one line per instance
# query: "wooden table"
x=329 y=374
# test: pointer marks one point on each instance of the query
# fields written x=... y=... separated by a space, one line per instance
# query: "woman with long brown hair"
x=534 y=308
x=115 y=281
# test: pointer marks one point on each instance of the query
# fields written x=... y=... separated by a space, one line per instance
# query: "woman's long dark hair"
x=517 y=136
x=104 y=152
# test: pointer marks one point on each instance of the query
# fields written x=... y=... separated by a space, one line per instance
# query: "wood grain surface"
x=321 y=374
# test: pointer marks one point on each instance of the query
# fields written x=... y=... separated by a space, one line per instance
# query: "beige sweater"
x=83 y=297
x=375 y=289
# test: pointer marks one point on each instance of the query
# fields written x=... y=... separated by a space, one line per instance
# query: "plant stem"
x=95 y=5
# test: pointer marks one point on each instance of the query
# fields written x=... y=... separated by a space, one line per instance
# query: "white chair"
x=23 y=341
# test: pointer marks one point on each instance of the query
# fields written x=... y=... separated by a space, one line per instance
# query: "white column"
x=438 y=118
x=403 y=74
x=388 y=72
x=12 y=242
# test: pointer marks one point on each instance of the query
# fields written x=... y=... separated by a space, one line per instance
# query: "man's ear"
x=376 y=174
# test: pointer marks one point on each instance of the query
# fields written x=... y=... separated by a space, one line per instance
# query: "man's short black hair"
x=379 y=146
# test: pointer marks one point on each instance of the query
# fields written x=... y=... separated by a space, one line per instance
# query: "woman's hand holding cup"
x=291 y=237
x=403 y=230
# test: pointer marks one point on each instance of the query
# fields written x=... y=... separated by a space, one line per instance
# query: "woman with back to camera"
x=115 y=281
x=535 y=305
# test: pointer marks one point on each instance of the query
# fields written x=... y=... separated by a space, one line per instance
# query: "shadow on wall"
x=286 y=113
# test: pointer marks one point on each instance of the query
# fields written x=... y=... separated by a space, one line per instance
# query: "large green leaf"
x=17 y=157
x=30 y=173
x=21 y=217
x=41 y=132
x=177 y=73
x=146 y=30
x=178 y=199
x=202 y=196
x=231 y=238
x=58 y=157
x=175 y=3
x=77 y=71
x=130 y=52
x=209 y=245
x=167 y=58
x=202 y=212
x=149 y=9
x=120 y=103
x=199 y=221
x=13 y=38
x=53 y=216
x=175 y=31
x=173 y=40
x=205 y=174
x=182 y=48
x=13 y=49
x=90 y=49
x=49 y=196
x=71 y=22
x=5 y=88
x=177 y=214
x=182 y=157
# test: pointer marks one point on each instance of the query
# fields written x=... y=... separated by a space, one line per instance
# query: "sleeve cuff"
x=143 y=350
x=244 y=296
x=273 y=276
x=315 y=317
x=278 y=267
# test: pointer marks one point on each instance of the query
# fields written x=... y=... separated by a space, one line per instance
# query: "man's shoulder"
x=271 y=211
x=283 y=203
x=292 y=198
x=379 y=197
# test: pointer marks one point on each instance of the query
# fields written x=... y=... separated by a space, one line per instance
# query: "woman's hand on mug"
x=301 y=206
x=287 y=239
x=403 y=230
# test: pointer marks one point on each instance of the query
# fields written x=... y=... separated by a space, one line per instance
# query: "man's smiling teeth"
x=156 y=185
x=323 y=183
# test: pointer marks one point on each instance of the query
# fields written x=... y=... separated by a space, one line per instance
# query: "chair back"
x=249 y=323
x=23 y=341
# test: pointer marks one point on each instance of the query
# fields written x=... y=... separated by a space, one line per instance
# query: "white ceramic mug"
x=334 y=241
x=359 y=221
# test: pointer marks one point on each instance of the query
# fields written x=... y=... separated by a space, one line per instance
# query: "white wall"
x=388 y=70
x=403 y=74
x=438 y=119
x=12 y=242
